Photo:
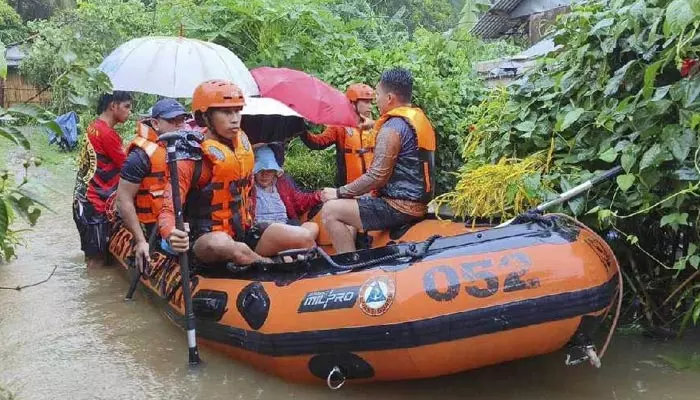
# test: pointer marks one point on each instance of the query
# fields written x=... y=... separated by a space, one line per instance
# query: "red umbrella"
x=312 y=98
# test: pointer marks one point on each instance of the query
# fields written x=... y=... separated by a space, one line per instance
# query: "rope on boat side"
x=590 y=353
x=410 y=252
x=617 y=315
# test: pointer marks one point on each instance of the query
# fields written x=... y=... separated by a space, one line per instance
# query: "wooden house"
x=14 y=89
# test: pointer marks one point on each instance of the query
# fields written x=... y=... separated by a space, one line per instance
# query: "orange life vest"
x=149 y=198
x=358 y=147
x=413 y=176
x=223 y=204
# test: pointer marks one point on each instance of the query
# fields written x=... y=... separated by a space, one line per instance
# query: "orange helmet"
x=217 y=94
x=359 y=91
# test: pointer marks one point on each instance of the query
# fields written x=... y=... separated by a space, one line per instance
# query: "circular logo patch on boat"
x=377 y=295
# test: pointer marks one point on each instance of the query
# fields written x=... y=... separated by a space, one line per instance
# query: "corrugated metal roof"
x=505 y=15
x=496 y=20
x=514 y=66
x=541 y=48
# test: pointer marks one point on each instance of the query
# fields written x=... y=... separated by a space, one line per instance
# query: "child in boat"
x=216 y=190
x=276 y=198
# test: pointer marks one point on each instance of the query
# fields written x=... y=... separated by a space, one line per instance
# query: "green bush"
x=39 y=9
x=15 y=201
x=311 y=169
x=619 y=92
x=445 y=82
x=83 y=36
x=17 y=124
x=341 y=42
x=435 y=15
x=11 y=27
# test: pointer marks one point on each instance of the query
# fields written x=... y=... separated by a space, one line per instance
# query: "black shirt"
x=137 y=166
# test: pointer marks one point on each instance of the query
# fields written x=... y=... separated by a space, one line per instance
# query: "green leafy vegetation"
x=311 y=169
x=623 y=90
x=17 y=124
x=340 y=42
x=681 y=362
x=38 y=9
x=11 y=27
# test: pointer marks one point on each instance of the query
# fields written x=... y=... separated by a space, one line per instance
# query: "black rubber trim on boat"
x=434 y=330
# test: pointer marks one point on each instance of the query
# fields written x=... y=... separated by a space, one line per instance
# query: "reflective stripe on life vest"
x=149 y=198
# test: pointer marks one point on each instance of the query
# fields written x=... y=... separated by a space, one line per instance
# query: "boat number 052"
x=479 y=279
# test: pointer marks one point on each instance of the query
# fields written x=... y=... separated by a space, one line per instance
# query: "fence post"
x=2 y=92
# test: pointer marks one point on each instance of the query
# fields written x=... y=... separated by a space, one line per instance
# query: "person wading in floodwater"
x=101 y=158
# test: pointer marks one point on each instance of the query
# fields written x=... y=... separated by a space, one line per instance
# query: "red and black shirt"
x=101 y=159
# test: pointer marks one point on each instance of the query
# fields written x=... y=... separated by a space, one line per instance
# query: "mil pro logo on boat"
x=329 y=299
x=377 y=295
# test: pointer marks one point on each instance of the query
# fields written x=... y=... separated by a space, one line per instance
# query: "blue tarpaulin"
x=69 y=125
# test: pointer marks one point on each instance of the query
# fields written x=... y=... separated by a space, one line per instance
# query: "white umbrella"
x=258 y=106
x=174 y=66
x=267 y=106
x=267 y=120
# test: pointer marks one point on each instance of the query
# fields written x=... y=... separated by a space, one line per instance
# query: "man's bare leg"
x=217 y=247
x=280 y=237
x=311 y=227
x=337 y=215
x=353 y=232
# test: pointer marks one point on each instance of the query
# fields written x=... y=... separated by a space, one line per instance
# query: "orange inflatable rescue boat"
x=412 y=306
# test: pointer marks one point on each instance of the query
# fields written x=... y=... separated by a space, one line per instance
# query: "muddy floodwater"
x=74 y=337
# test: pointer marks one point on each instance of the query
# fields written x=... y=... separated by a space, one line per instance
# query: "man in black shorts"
x=401 y=172
x=101 y=157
